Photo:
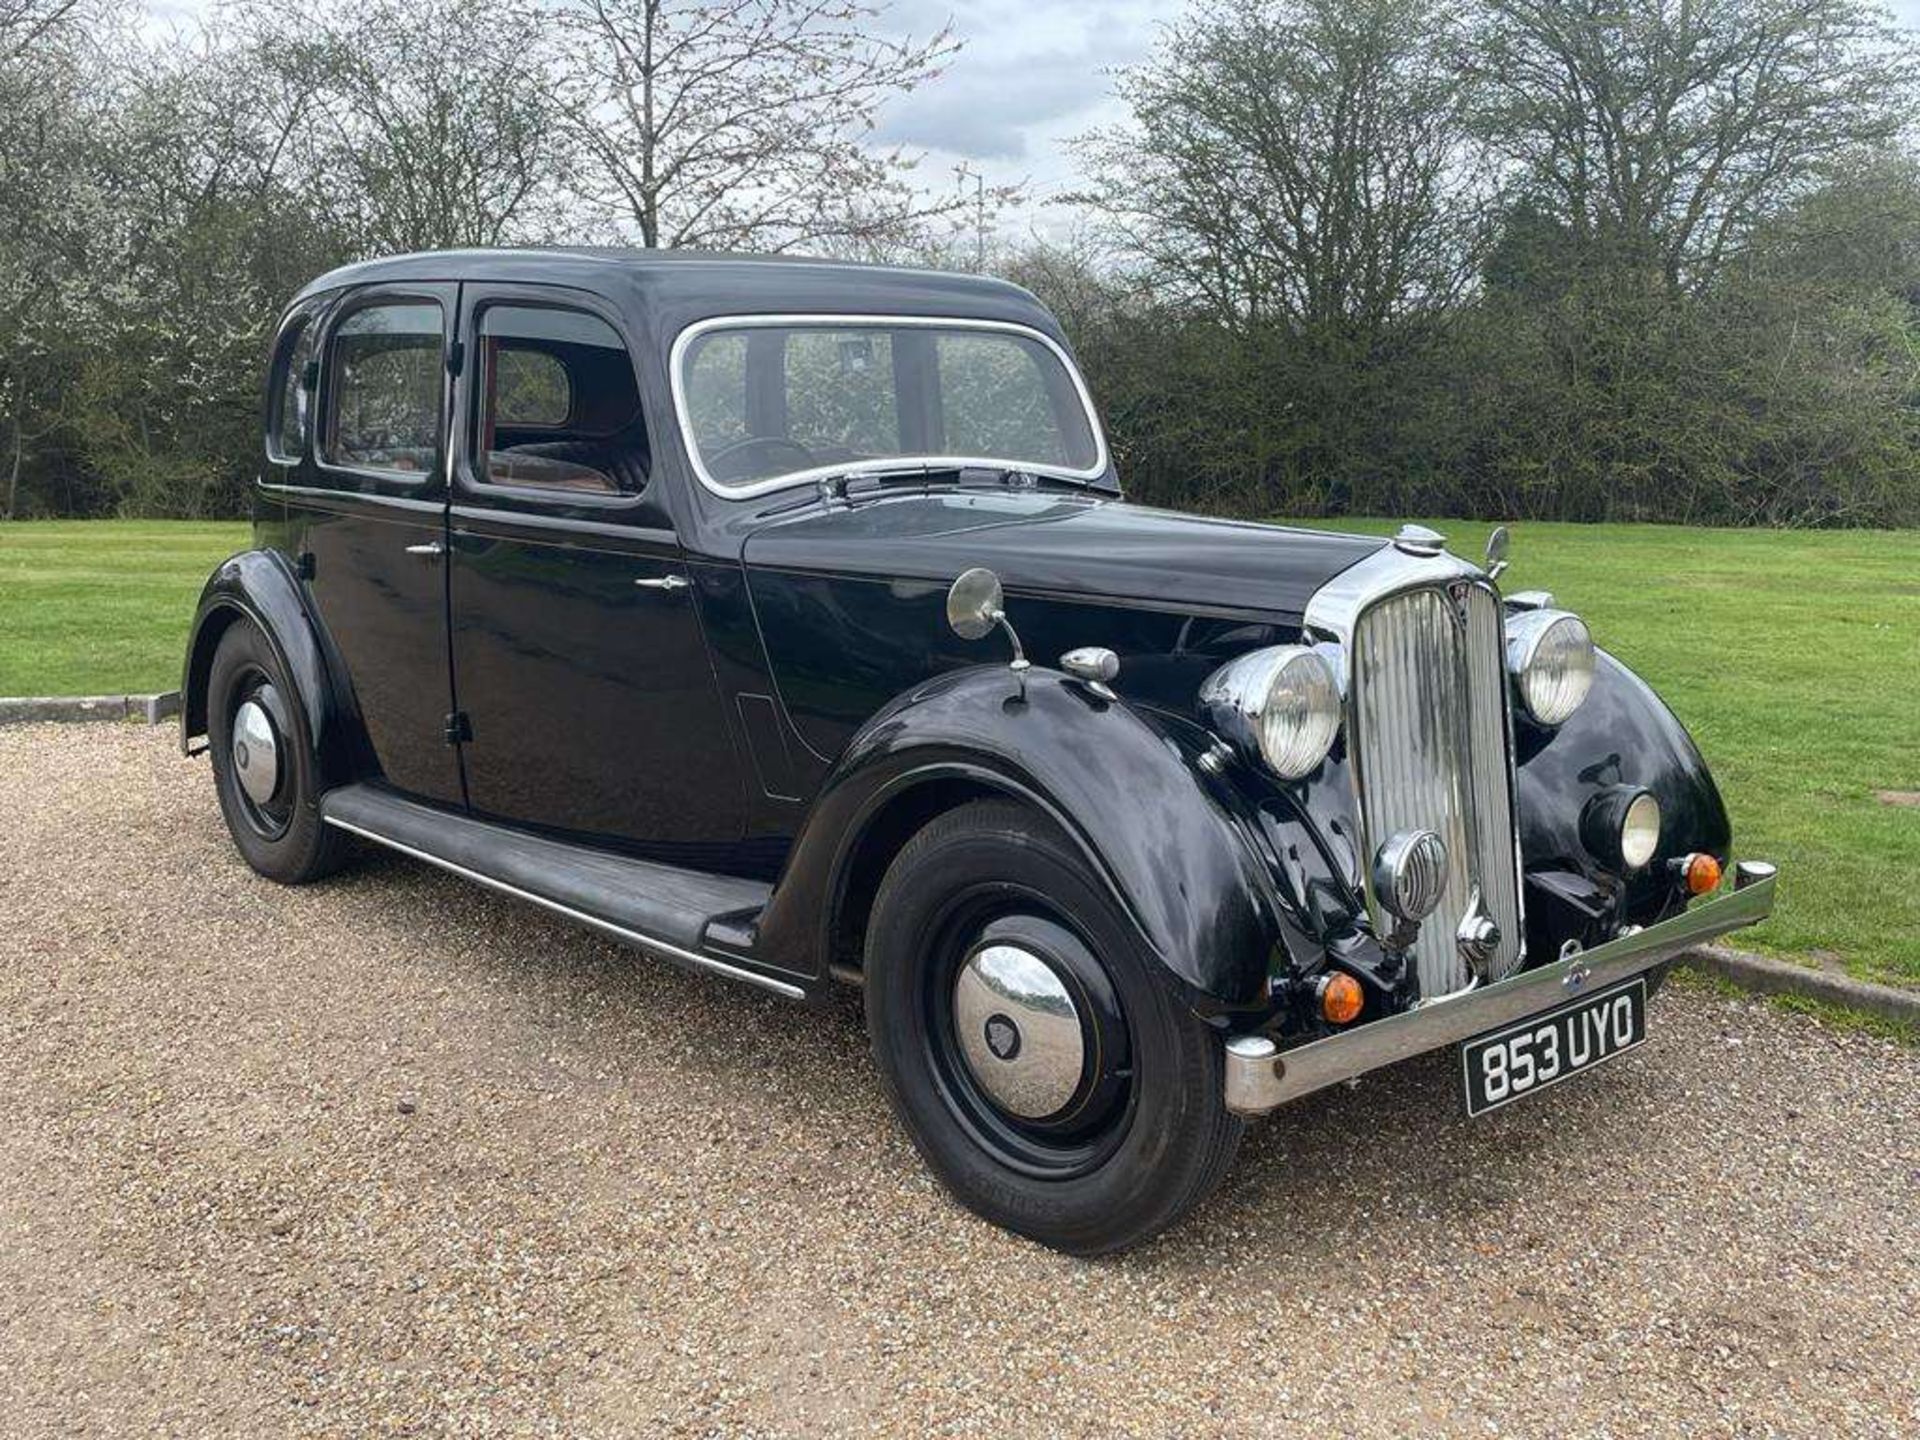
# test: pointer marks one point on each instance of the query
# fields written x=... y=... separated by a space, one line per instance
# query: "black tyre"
x=262 y=763
x=1051 y=1079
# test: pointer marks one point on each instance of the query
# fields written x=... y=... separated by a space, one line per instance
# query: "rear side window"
x=531 y=388
x=385 y=389
x=558 y=410
x=290 y=409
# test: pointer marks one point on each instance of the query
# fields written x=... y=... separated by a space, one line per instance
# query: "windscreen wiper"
x=854 y=484
x=851 y=486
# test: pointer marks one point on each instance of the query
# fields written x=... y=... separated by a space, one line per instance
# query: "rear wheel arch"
x=258 y=588
x=206 y=640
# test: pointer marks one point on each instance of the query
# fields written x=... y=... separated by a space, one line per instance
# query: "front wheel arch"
x=1128 y=795
x=887 y=831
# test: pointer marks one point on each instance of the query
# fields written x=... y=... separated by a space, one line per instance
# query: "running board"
x=662 y=909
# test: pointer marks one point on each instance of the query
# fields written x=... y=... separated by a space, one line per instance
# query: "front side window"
x=558 y=407
x=386 y=389
x=764 y=402
x=291 y=405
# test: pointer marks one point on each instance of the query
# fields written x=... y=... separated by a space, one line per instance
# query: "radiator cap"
x=1419 y=540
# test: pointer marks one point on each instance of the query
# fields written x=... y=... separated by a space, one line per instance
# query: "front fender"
x=259 y=586
x=1128 y=794
x=1622 y=735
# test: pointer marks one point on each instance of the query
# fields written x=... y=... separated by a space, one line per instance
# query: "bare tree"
x=745 y=124
x=27 y=23
x=420 y=124
x=1660 y=131
x=1302 y=163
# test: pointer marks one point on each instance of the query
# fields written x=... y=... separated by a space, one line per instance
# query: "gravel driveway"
x=392 y=1155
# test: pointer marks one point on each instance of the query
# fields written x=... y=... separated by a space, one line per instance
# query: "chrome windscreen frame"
x=1331 y=622
x=676 y=380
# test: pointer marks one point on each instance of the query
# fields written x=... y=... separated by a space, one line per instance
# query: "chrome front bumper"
x=1262 y=1077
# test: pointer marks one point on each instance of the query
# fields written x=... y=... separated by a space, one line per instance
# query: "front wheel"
x=1050 y=1078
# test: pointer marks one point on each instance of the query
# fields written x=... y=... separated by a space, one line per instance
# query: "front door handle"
x=433 y=549
x=664 y=582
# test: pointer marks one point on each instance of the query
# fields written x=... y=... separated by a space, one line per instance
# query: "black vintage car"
x=783 y=619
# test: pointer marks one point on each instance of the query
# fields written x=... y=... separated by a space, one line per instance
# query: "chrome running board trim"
x=1261 y=1077
x=648 y=943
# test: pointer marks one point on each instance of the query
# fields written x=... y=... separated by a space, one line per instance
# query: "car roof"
x=676 y=287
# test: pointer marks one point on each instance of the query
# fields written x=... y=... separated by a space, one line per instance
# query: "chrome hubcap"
x=1020 y=1033
x=256 y=752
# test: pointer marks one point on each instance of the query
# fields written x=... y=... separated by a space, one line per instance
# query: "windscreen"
x=762 y=403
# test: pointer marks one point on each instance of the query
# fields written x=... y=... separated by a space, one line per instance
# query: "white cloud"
x=1031 y=75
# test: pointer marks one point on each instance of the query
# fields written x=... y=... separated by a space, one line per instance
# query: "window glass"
x=840 y=391
x=531 y=389
x=768 y=401
x=558 y=406
x=386 y=389
x=716 y=386
x=994 y=398
x=293 y=397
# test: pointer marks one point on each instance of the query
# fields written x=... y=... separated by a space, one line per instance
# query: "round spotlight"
x=1621 y=828
x=1410 y=873
x=1640 y=831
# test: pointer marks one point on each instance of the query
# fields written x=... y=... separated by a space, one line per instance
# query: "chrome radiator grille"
x=1428 y=738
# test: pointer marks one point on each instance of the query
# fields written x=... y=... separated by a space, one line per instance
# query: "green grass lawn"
x=1794 y=658
x=101 y=607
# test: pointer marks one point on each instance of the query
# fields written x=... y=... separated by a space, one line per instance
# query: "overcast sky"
x=1033 y=74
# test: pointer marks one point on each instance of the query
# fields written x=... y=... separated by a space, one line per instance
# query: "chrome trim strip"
x=1335 y=608
x=592 y=922
x=688 y=334
x=1261 y=1077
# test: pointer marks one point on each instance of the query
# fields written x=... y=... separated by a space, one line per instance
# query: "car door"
x=368 y=516
x=589 y=702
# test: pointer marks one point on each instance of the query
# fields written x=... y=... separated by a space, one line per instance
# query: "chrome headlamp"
x=1281 y=704
x=1550 y=656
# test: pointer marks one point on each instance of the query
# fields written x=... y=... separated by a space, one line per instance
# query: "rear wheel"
x=262 y=762
x=1050 y=1078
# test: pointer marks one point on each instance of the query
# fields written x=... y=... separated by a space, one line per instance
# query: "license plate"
x=1545 y=1049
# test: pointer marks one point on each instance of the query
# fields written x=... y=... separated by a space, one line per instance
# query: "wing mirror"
x=1497 y=544
x=976 y=605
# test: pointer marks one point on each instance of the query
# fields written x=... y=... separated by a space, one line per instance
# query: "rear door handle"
x=432 y=549
x=664 y=582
